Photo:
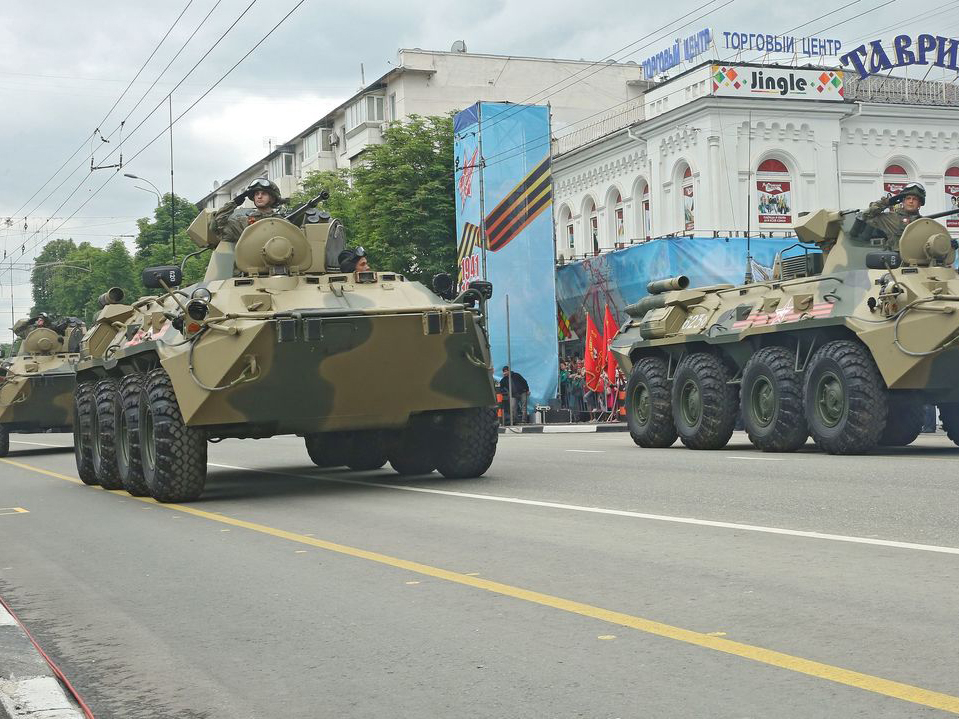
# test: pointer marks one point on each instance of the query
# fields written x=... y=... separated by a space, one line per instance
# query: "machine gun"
x=296 y=216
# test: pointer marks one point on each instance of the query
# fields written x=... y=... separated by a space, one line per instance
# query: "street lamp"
x=172 y=207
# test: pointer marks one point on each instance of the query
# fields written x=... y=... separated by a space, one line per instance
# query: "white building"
x=714 y=155
x=434 y=83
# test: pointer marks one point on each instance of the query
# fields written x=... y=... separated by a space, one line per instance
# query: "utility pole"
x=172 y=195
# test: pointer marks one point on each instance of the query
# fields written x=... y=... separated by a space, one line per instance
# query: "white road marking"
x=36 y=696
x=39 y=444
x=568 y=429
x=616 y=512
x=6 y=618
x=586 y=451
x=761 y=459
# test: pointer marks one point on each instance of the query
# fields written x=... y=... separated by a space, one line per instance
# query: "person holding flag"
x=594 y=366
x=610 y=328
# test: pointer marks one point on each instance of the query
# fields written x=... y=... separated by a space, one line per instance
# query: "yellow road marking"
x=606 y=637
x=771 y=657
x=13 y=510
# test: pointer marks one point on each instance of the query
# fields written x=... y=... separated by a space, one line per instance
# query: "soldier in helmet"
x=891 y=221
x=229 y=222
x=353 y=259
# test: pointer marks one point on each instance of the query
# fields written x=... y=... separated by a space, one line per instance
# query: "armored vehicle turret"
x=845 y=343
x=36 y=385
x=367 y=366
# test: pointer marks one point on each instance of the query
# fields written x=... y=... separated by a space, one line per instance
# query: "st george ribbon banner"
x=504 y=230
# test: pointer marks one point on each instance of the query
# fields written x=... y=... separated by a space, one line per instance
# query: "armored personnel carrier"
x=846 y=343
x=36 y=385
x=367 y=366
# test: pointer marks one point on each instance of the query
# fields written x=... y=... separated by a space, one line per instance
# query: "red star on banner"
x=466 y=179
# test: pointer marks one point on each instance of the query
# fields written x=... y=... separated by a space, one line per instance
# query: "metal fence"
x=901 y=91
x=626 y=115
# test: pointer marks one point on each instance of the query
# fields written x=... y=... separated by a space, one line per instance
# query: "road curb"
x=28 y=686
x=564 y=428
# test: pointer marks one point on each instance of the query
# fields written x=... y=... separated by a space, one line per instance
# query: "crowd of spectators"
x=583 y=403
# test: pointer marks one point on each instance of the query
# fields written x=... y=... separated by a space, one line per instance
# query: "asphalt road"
x=582 y=577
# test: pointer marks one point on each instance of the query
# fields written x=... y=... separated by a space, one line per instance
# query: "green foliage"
x=398 y=202
x=71 y=287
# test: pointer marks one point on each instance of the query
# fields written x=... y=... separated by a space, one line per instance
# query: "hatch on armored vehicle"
x=36 y=385
x=846 y=343
x=367 y=366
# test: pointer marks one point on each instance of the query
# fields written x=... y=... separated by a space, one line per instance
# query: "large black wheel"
x=903 y=424
x=364 y=451
x=103 y=432
x=466 y=442
x=705 y=405
x=412 y=452
x=325 y=448
x=4 y=441
x=771 y=397
x=173 y=455
x=649 y=411
x=129 y=465
x=844 y=398
x=83 y=432
x=949 y=414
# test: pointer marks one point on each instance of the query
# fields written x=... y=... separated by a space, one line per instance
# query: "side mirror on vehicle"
x=483 y=287
x=443 y=285
x=883 y=260
x=156 y=277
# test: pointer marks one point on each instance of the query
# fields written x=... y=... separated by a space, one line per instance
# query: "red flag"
x=595 y=356
x=610 y=329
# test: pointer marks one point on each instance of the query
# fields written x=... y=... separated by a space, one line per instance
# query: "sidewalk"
x=28 y=687
x=573 y=428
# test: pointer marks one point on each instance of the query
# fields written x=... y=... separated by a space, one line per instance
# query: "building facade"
x=435 y=83
x=714 y=157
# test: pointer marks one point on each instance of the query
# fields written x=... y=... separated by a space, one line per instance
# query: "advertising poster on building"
x=518 y=196
x=689 y=208
x=952 y=203
x=773 y=82
x=774 y=202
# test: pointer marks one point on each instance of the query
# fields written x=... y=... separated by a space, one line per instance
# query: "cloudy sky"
x=64 y=64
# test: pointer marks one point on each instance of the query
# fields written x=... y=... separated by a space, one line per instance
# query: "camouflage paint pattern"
x=907 y=316
x=36 y=386
x=290 y=345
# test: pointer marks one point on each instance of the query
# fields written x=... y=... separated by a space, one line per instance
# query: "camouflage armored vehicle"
x=845 y=344
x=367 y=366
x=36 y=385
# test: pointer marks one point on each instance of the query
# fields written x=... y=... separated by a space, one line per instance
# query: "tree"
x=398 y=202
x=153 y=239
x=45 y=274
x=404 y=210
x=75 y=292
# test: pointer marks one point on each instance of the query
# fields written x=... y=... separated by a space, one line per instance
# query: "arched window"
x=952 y=195
x=619 y=220
x=894 y=179
x=566 y=225
x=774 y=193
x=689 y=203
x=647 y=215
x=592 y=217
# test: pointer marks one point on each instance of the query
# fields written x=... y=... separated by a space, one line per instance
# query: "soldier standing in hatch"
x=892 y=221
x=228 y=223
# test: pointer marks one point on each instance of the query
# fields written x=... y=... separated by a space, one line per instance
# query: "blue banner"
x=619 y=278
x=505 y=149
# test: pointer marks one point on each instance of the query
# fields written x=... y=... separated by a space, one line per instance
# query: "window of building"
x=281 y=165
x=570 y=236
x=366 y=109
x=592 y=219
x=645 y=217
x=689 y=204
x=619 y=223
x=391 y=108
x=894 y=179
x=774 y=199
x=325 y=145
x=952 y=195
x=309 y=145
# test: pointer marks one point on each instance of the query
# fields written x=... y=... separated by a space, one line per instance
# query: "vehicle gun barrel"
x=296 y=215
x=679 y=282
x=112 y=296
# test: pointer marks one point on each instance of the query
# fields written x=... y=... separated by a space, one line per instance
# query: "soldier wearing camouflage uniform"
x=893 y=222
x=230 y=220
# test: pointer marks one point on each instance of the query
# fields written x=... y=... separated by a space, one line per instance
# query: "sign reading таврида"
x=805 y=84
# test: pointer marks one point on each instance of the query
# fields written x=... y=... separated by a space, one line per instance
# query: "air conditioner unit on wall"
x=334 y=138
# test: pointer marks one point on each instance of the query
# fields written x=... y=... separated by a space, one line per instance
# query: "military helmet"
x=916 y=190
x=348 y=258
x=262 y=183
